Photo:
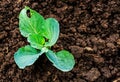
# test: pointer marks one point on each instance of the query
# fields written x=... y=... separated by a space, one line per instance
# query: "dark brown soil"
x=90 y=30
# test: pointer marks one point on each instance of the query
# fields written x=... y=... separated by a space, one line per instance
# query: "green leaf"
x=36 y=41
x=26 y=56
x=51 y=56
x=30 y=25
x=63 y=60
x=51 y=31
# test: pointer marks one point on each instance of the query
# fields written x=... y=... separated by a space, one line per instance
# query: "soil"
x=90 y=30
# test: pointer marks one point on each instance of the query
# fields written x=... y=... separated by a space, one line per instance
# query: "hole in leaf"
x=28 y=13
x=46 y=40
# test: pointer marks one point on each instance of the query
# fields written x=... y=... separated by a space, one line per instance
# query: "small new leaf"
x=36 y=41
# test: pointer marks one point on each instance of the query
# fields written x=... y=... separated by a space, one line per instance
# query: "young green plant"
x=41 y=34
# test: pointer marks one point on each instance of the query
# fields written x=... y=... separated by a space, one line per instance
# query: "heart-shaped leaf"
x=30 y=24
x=63 y=60
x=26 y=56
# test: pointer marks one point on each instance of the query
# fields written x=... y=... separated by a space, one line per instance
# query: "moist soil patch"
x=90 y=30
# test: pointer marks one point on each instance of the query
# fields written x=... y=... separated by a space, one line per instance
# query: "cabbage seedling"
x=41 y=34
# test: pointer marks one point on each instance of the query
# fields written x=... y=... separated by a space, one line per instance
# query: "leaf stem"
x=44 y=49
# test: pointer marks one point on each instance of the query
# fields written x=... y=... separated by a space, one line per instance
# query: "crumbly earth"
x=89 y=29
